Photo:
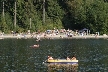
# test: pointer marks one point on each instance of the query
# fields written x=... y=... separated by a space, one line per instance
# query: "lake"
x=16 y=55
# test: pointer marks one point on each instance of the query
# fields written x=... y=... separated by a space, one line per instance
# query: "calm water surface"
x=17 y=56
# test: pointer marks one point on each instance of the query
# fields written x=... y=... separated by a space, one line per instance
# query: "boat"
x=62 y=61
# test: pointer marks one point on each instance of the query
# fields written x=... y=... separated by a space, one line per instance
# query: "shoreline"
x=51 y=37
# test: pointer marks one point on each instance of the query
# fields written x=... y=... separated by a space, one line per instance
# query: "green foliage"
x=72 y=14
x=3 y=25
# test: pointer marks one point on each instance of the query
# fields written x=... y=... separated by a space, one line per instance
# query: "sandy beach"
x=50 y=37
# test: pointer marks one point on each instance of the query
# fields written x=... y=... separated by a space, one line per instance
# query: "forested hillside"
x=34 y=15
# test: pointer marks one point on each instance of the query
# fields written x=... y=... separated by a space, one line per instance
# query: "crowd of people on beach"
x=60 y=33
x=51 y=33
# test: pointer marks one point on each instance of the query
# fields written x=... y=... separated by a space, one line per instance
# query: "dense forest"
x=34 y=15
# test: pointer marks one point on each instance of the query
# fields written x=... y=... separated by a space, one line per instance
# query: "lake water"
x=16 y=55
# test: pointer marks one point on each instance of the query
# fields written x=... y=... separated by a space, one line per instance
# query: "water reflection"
x=62 y=68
